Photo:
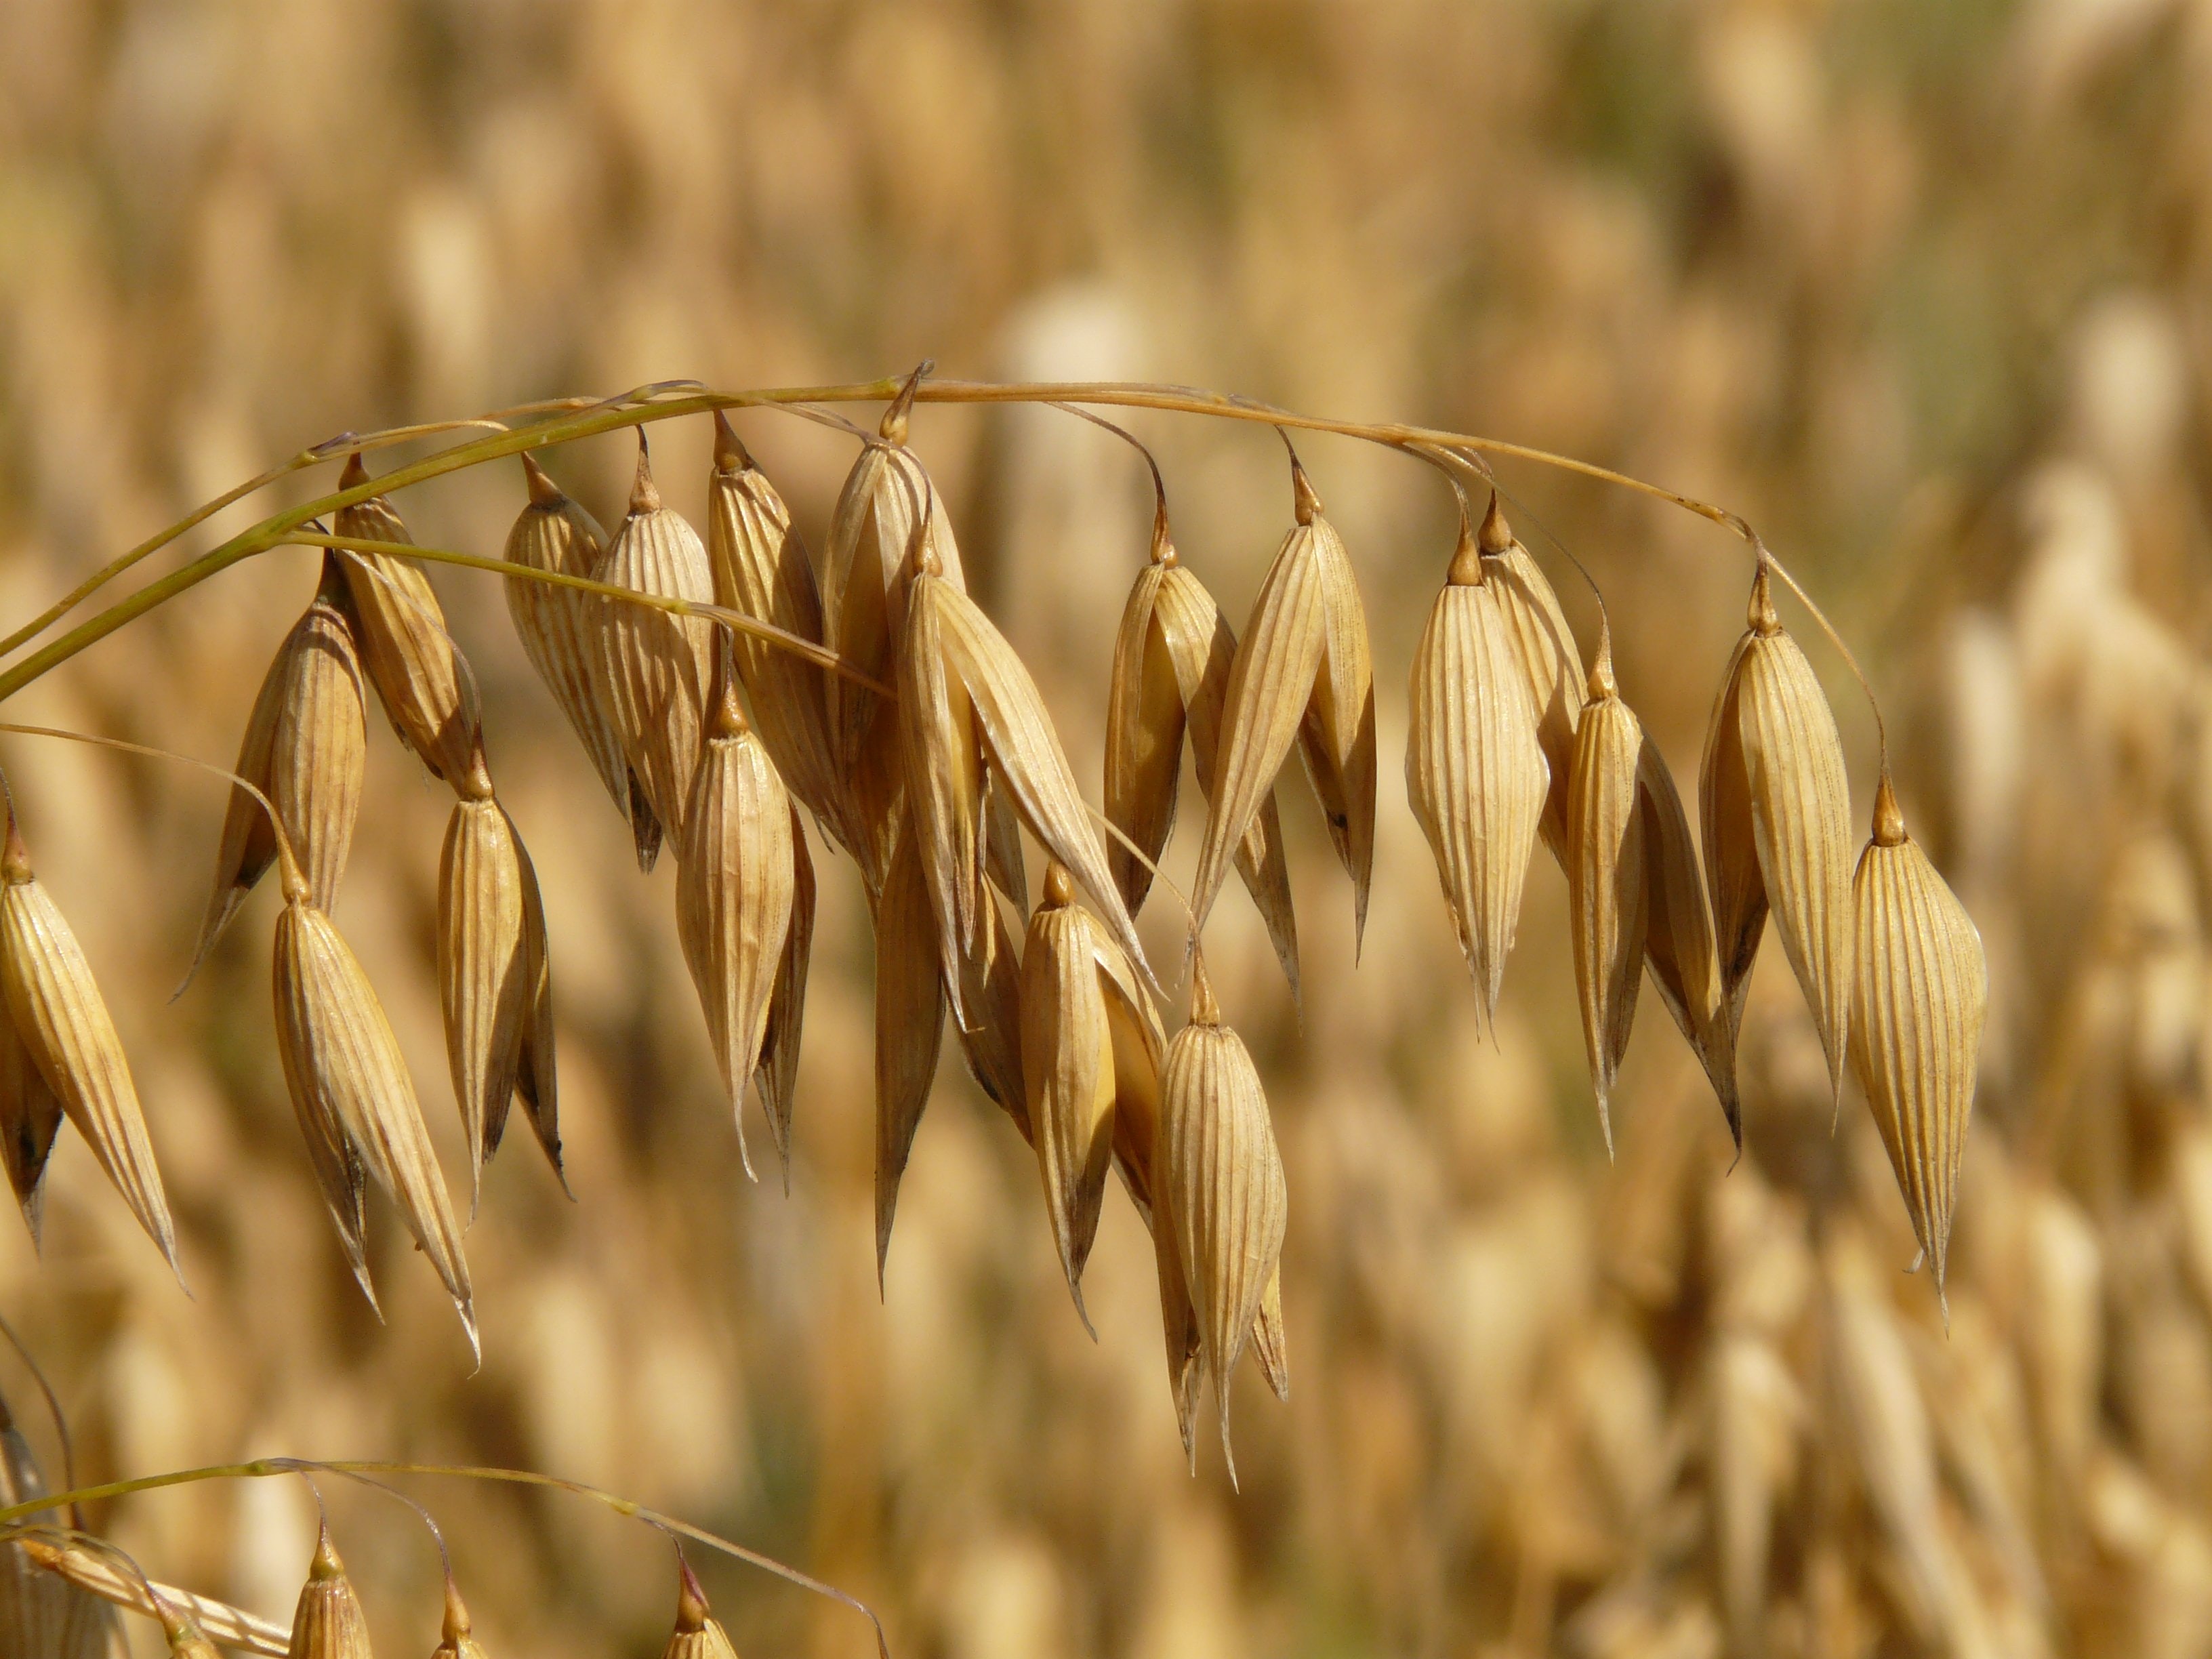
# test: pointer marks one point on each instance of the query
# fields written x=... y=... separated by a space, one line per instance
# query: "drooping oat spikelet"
x=1475 y=771
x=457 y=1638
x=30 y=1116
x=306 y=747
x=761 y=568
x=1024 y=752
x=1301 y=674
x=418 y=669
x=1606 y=877
x=698 y=1634
x=887 y=513
x=989 y=978
x=1226 y=1177
x=1678 y=930
x=734 y=883
x=909 y=1025
x=1921 y=996
x=537 y=1077
x=1073 y=1067
x=777 y=1075
x=328 y=1623
x=1777 y=811
x=82 y=1567
x=41 y=1613
x=1171 y=665
x=559 y=629
x=944 y=760
x=1544 y=646
x=486 y=990
x=654 y=670
x=64 y=1025
x=350 y=1087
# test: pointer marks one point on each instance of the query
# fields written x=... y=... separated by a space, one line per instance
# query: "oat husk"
x=42 y=1615
x=909 y=1025
x=1551 y=662
x=486 y=989
x=536 y=1079
x=63 y=1025
x=734 y=886
x=98 y=1574
x=1607 y=868
x=698 y=1634
x=942 y=754
x=306 y=747
x=327 y=1623
x=1270 y=1342
x=1300 y=675
x=1172 y=658
x=560 y=631
x=655 y=670
x=761 y=568
x=1776 y=804
x=1003 y=863
x=1072 y=1066
x=1223 y=1176
x=991 y=1046
x=30 y=1116
x=1475 y=771
x=1921 y=996
x=776 y=1077
x=351 y=1088
x=418 y=672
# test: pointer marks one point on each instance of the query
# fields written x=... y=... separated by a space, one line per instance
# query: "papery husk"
x=1606 y=862
x=734 y=884
x=698 y=1634
x=909 y=1025
x=1172 y=659
x=943 y=758
x=305 y=748
x=64 y=1025
x=1475 y=772
x=1023 y=753
x=485 y=989
x=990 y=984
x=761 y=569
x=419 y=673
x=654 y=670
x=536 y=1079
x=1551 y=662
x=777 y=1074
x=1003 y=864
x=1270 y=1342
x=1336 y=737
x=457 y=1638
x=43 y=1616
x=1679 y=932
x=1178 y=1318
x=559 y=630
x=347 y=1077
x=1224 y=1177
x=1775 y=765
x=1921 y=998
x=327 y=1623
x=84 y=1568
x=30 y=1116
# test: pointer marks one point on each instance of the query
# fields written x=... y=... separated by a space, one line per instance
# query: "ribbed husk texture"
x=327 y=1623
x=64 y=1025
x=418 y=672
x=1475 y=772
x=305 y=748
x=1605 y=865
x=734 y=885
x=777 y=1075
x=1921 y=996
x=654 y=670
x=909 y=1025
x=1678 y=930
x=698 y=1634
x=356 y=1103
x=1172 y=658
x=1219 y=1165
x=560 y=631
x=1544 y=646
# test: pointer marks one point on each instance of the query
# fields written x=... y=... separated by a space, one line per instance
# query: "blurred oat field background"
x=1925 y=291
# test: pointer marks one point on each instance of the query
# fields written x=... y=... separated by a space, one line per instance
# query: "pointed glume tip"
x=1306 y=503
x=1497 y=535
x=544 y=492
x=355 y=471
x=644 y=493
x=729 y=452
x=691 y=1610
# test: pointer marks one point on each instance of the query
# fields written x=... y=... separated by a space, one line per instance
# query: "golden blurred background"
x=1926 y=291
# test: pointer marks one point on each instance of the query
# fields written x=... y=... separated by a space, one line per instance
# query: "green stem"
x=263 y=1467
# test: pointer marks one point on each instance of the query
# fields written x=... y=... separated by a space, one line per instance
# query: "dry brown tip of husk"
x=910 y=1027
x=1921 y=999
x=1679 y=936
x=350 y=1088
x=486 y=989
x=64 y=1025
x=734 y=890
x=1496 y=536
x=327 y=1623
x=457 y=1636
x=418 y=672
x=1475 y=772
x=1606 y=878
x=30 y=1116
x=653 y=671
x=1224 y=1177
x=304 y=748
x=698 y=1634
x=1270 y=1344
